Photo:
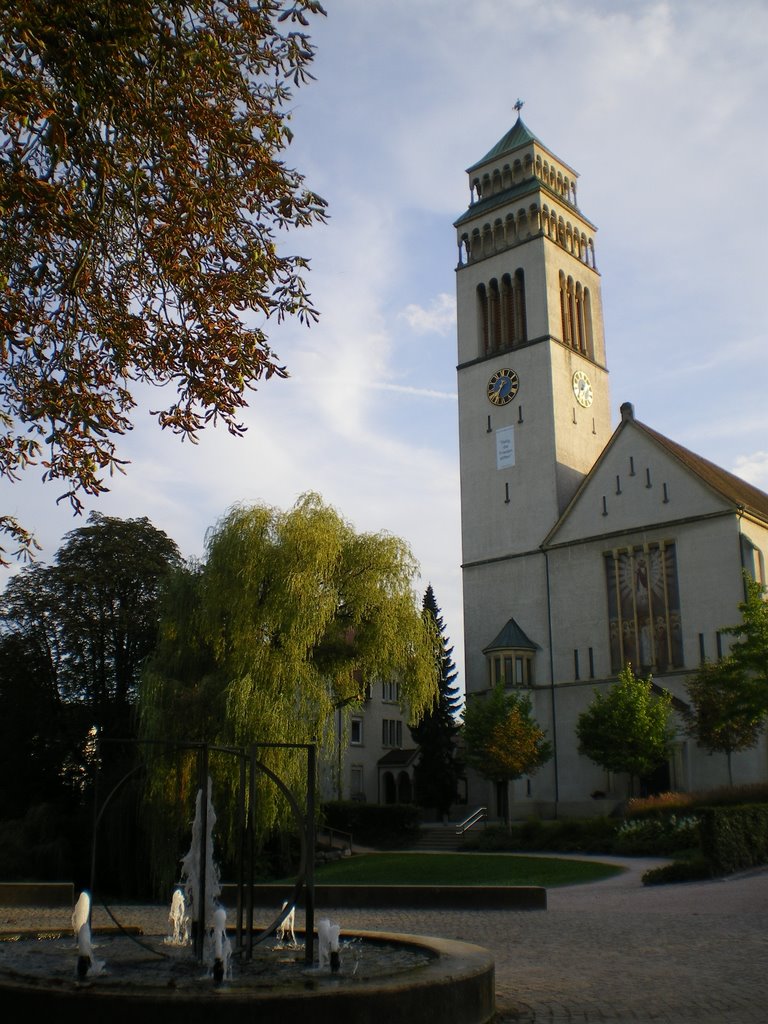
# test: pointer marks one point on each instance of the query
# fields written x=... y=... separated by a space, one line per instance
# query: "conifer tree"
x=438 y=769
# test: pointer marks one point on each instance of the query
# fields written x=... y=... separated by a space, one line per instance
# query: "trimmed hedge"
x=661 y=836
x=694 y=870
x=385 y=826
x=731 y=838
x=566 y=835
x=734 y=838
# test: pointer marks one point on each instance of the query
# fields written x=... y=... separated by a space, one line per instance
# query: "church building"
x=583 y=547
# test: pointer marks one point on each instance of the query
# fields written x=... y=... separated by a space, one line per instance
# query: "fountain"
x=178 y=918
x=199 y=871
x=380 y=976
x=328 y=943
x=222 y=948
x=87 y=966
x=285 y=927
x=82 y=913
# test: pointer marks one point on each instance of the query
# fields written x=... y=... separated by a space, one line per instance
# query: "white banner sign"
x=505 y=447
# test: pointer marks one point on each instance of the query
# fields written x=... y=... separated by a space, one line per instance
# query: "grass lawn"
x=460 y=869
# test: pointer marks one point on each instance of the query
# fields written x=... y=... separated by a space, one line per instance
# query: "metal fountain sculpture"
x=446 y=980
x=195 y=903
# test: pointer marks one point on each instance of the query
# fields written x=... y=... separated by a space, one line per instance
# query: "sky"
x=660 y=108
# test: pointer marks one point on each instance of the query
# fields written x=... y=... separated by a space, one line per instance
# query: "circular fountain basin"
x=383 y=976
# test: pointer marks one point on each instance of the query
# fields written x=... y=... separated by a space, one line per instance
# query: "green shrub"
x=657 y=836
x=568 y=835
x=384 y=826
x=694 y=870
x=734 y=838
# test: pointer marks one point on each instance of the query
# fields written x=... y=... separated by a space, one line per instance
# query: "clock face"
x=502 y=387
x=582 y=389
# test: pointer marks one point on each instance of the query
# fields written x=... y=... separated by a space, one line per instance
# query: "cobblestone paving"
x=612 y=952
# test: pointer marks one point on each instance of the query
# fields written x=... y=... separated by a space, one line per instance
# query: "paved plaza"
x=616 y=951
x=608 y=952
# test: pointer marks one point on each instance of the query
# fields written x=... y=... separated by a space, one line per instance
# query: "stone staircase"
x=438 y=837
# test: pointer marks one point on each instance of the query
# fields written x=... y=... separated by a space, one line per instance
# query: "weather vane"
x=519 y=106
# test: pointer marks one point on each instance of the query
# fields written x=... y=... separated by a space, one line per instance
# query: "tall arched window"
x=509 y=228
x=507 y=312
x=563 y=310
x=589 y=339
x=494 y=316
x=521 y=323
x=487 y=240
x=572 y=328
x=476 y=244
x=582 y=344
x=482 y=319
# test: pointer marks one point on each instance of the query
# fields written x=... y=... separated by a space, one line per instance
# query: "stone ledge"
x=37 y=894
x=422 y=897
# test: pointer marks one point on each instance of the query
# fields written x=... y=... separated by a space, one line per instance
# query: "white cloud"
x=437 y=318
x=402 y=389
x=753 y=468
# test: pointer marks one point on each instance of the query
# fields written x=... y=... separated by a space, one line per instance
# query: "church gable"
x=643 y=480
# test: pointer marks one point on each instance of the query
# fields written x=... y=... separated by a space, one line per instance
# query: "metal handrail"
x=345 y=837
x=479 y=815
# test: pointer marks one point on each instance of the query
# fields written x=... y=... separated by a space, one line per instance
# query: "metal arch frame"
x=306 y=822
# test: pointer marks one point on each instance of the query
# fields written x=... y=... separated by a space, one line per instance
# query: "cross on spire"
x=519 y=106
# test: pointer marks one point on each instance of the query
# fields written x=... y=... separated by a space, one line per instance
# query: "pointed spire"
x=518 y=135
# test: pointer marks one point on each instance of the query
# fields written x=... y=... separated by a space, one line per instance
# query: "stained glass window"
x=644 y=607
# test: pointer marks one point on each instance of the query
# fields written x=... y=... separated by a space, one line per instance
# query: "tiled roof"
x=729 y=486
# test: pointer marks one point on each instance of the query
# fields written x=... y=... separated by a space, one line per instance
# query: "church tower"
x=534 y=411
x=584 y=549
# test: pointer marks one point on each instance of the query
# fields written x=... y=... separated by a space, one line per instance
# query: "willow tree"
x=290 y=617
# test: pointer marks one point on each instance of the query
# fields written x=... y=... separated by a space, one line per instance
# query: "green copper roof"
x=511 y=637
x=517 y=136
x=481 y=206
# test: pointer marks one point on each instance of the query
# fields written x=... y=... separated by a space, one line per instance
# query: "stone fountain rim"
x=456 y=984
